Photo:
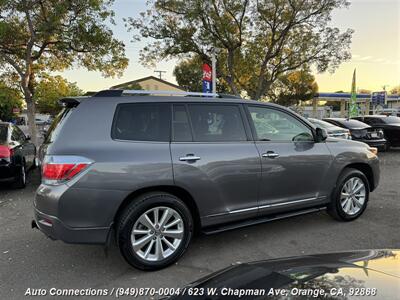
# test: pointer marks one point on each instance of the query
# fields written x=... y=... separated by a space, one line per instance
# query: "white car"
x=332 y=130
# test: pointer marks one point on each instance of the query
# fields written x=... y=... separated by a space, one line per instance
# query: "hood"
x=349 y=142
x=373 y=269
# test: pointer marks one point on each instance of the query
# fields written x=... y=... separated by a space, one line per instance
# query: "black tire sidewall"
x=20 y=182
x=342 y=180
x=134 y=211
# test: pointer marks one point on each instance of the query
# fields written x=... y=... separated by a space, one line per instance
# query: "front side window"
x=274 y=125
x=216 y=123
x=142 y=122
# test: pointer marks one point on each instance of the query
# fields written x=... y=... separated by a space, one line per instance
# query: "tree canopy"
x=49 y=90
x=52 y=35
x=10 y=99
x=259 y=41
x=294 y=87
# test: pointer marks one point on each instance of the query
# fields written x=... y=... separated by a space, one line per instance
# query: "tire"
x=387 y=146
x=20 y=181
x=349 y=208
x=133 y=217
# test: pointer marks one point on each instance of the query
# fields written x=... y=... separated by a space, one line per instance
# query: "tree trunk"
x=231 y=77
x=31 y=110
x=31 y=118
x=262 y=87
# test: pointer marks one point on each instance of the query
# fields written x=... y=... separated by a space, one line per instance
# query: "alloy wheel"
x=352 y=196
x=157 y=233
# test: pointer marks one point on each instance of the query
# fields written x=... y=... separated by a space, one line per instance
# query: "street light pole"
x=214 y=70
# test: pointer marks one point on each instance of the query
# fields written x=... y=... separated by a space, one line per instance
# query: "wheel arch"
x=366 y=170
x=179 y=192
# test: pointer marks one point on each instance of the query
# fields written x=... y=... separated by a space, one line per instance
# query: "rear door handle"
x=189 y=157
x=270 y=154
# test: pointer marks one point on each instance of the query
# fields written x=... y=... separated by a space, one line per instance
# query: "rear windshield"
x=322 y=124
x=392 y=120
x=57 y=124
x=353 y=124
x=3 y=133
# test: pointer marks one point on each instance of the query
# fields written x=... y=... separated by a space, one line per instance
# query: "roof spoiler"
x=71 y=102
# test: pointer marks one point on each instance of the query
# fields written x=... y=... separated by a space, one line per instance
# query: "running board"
x=236 y=225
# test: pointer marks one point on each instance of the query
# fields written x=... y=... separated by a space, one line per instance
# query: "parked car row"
x=379 y=131
x=17 y=155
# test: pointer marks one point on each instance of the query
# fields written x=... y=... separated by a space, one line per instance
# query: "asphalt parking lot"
x=29 y=260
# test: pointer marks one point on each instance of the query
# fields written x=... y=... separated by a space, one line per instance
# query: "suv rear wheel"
x=154 y=231
x=350 y=196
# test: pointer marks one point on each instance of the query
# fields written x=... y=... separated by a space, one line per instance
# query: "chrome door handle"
x=270 y=154
x=189 y=158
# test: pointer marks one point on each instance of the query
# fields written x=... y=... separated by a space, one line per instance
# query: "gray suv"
x=153 y=170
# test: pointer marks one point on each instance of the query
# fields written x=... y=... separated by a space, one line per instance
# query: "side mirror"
x=322 y=135
x=27 y=137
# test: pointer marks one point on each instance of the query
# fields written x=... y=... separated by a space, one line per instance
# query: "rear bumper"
x=55 y=229
x=7 y=172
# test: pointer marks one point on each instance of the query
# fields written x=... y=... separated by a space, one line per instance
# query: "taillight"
x=59 y=169
x=6 y=152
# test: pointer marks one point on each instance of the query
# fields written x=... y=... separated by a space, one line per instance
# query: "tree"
x=49 y=90
x=259 y=41
x=395 y=90
x=294 y=87
x=189 y=74
x=52 y=35
x=10 y=99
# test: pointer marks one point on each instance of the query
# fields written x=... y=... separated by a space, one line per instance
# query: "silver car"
x=152 y=171
x=332 y=130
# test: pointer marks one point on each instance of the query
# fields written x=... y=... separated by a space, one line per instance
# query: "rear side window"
x=180 y=124
x=3 y=133
x=142 y=122
x=216 y=123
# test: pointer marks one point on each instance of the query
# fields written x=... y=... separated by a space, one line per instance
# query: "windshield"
x=321 y=124
x=3 y=133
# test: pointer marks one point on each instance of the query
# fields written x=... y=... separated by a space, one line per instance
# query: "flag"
x=353 y=110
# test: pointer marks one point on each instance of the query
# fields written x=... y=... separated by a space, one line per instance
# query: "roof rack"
x=117 y=93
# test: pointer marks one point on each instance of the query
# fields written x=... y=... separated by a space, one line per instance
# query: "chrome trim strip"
x=265 y=206
x=287 y=203
x=243 y=210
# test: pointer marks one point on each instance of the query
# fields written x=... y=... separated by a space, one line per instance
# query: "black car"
x=17 y=155
x=389 y=124
x=366 y=274
x=361 y=132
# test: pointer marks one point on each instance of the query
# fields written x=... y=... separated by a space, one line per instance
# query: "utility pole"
x=214 y=70
x=160 y=73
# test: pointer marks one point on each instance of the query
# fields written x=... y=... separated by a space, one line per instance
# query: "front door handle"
x=270 y=154
x=189 y=157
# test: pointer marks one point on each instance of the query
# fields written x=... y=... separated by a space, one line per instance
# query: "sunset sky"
x=375 y=49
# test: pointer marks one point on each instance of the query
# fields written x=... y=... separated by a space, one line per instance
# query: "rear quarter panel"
x=119 y=168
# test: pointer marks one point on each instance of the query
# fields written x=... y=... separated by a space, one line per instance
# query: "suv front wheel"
x=154 y=231
x=350 y=196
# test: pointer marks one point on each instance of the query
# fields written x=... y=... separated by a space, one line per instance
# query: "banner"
x=207 y=79
x=353 y=109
